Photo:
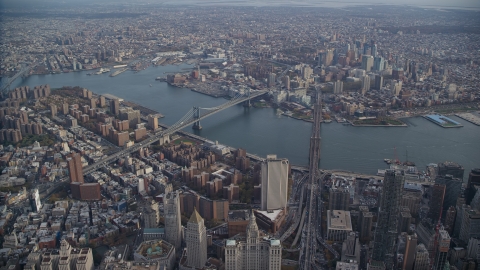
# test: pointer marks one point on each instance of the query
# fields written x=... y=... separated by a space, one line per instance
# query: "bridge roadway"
x=308 y=251
x=172 y=129
x=18 y=74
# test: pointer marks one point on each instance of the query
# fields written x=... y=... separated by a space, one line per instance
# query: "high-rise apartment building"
x=271 y=79
x=365 y=220
x=173 y=225
x=339 y=199
x=386 y=231
x=255 y=253
x=338 y=87
x=274 y=180
x=365 y=84
x=114 y=106
x=153 y=121
x=75 y=168
x=53 y=110
x=196 y=239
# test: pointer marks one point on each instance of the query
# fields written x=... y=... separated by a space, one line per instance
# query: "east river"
x=262 y=131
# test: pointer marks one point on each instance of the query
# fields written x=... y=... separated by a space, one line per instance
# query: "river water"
x=262 y=131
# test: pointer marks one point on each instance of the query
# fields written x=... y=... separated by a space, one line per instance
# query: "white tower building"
x=173 y=230
x=196 y=238
x=274 y=183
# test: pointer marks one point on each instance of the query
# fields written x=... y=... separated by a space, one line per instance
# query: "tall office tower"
x=196 y=239
x=450 y=219
x=422 y=259
x=365 y=223
x=53 y=110
x=347 y=48
x=271 y=79
x=436 y=202
x=338 y=87
x=365 y=84
x=274 y=179
x=473 y=179
x=452 y=168
x=409 y=255
x=378 y=82
x=374 y=50
x=453 y=189
x=339 y=199
x=173 y=225
x=442 y=251
x=386 y=231
x=378 y=63
x=75 y=168
x=114 y=106
x=367 y=62
x=254 y=253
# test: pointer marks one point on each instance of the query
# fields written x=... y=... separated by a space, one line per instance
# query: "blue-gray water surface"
x=262 y=131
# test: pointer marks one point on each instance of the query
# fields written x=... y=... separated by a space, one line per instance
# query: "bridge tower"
x=247 y=102
x=196 y=124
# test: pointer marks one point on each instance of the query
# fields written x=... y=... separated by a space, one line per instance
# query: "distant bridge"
x=192 y=117
x=23 y=71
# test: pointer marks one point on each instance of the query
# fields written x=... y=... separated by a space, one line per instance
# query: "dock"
x=118 y=72
x=470 y=117
x=442 y=121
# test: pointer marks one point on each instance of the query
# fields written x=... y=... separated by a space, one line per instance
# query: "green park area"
x=378 y=122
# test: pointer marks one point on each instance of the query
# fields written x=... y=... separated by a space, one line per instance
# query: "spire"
x=195 y=218
x=252 y=228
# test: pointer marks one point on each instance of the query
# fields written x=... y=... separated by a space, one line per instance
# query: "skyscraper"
x=378 y=63
x=367 y=62
x=365 y=223
x=386 y=231
x=453 y=189
x=409 y=256
x=442 y=251
x=473 y=179
x=338 y=87
x=173 y=226
x=365 y=84
x=422 y=259
x=452 y=168
x=114 y=106
x=254 y=253
x=436 y=202
x=274 y=179
x=75 y=168
x=196 y=239
x=339 y=199
x=378 y=82
x=271 y=79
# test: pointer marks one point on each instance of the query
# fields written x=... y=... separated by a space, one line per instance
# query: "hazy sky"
x=475 y=4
